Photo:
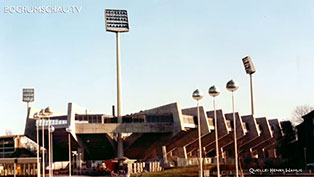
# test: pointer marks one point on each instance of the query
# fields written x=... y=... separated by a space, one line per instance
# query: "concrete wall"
x=252 y=134
x=266 y=135
x=224 y=132
x=172 y=108
x=203 y=117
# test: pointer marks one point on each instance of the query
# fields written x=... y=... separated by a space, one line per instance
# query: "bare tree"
x=8 y=132
x=300 y=111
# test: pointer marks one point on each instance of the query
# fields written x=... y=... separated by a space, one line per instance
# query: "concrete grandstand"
x=148 y=132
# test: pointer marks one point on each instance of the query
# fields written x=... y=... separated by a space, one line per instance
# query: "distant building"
x=17 y=146
x=20 y=152
x=305 y=132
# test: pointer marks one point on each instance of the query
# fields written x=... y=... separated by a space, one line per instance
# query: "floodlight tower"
x=117 y=22
x=250 y=69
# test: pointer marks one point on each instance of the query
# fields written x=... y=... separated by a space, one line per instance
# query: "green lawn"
x=176 y=172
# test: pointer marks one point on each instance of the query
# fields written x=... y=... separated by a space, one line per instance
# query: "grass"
x=175 y=172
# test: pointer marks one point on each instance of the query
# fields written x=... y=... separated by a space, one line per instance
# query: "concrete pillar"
x=275 y=153
x=184 y=152
x=80 y=152
x=221 y=154
x=29 y=169
x=24 y=169
x=251 y=153
x=134 y=168
x=102 y=119
x=129 y=168
x=73 y=163
x=164 y=155
x=34 y=169
x=139 y=167
x=16 y=142
x=14 y=169
x=77 y=161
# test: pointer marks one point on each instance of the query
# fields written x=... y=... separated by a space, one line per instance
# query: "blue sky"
x=173 y=48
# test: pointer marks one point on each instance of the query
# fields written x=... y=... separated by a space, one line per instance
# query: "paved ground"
x=79 y=176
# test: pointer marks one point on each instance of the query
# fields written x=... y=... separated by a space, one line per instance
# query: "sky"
x=172 y=48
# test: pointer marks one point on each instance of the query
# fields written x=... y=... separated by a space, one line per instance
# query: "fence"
x=181 y=162
x=18 y=166
x=140 y=167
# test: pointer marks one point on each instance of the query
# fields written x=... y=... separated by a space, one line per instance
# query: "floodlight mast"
x=250 y=69
x=117 y=21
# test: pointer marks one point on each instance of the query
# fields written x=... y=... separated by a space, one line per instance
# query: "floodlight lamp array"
x=116 y=20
